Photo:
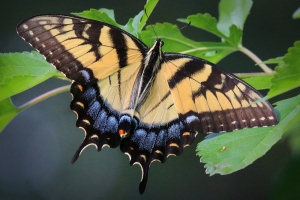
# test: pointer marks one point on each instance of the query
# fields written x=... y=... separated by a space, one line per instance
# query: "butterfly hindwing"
x=157 y=133
x=210 y=100
x=160 y=133
x=100 y=106
x=150 y=103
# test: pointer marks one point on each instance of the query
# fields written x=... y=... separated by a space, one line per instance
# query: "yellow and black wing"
x=210 y=100
x=150 y=103
x=84 y=50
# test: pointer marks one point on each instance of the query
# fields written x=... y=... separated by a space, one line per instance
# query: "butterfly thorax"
x=146 y=75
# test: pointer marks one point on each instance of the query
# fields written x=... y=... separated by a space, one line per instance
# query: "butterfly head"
x=155 y=53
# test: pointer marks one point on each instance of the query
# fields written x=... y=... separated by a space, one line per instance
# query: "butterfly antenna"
x=179 y=29
x=150 y=23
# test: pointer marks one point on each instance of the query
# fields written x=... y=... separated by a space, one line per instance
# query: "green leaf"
x=205 y=22
x=176 y=42
x=134 y=25
x=278 y=60
x=7 y=112
x=289 y=112
x=209 y=23
x=235 y=37
x=103 y=15
x=21 y=71
x=233 y=151
x=106 y=15
x=149 y=7
x=296 y=14
x=260 y=82
x=287 y=75
x=233 y=12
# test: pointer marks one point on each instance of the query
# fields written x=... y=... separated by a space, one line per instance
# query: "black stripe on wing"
x=99 y=122
x=221 y=101
x=144 y=144
x=47 y=35
x=74 y=44
x=149 y=143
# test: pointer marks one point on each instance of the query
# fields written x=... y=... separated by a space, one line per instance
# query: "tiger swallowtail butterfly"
x=150 y=103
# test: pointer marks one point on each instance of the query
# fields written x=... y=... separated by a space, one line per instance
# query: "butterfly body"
x=151 y=104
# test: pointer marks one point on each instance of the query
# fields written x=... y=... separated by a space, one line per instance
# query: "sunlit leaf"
x=296 y=14
x=233 y=151
x=108 y=16
x=21 y=71
x=205 y=22
x=133 y=26
x=149 y=7
x=209 y=23
x=233 y=12
x=260 y=82
x=178 y=43
x=103 y=15
x=278 y=60
x=287 y=75
x=7 y=112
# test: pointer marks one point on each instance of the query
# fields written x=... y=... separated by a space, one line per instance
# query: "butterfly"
x=150 y=103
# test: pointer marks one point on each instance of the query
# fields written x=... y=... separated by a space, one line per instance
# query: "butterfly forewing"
x=84 y=50
x=151 y=104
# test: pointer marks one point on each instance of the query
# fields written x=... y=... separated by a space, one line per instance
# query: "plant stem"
x=208 y=48
x=44 y=96
x=253 y=74
x=256 y=59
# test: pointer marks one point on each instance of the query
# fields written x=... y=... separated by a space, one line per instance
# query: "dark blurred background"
x=37 y=146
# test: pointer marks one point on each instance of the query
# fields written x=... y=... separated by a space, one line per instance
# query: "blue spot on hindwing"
x=125 y=118
x=161 y=138
x=94 y=109
x=112 y=125
x=135 y=123
x=192 y=119
x=86 y=75
x=100 y=122
x=89 y=94
x=174 y=131
x=139 y=136
x=146 y=141
x=149 y=142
